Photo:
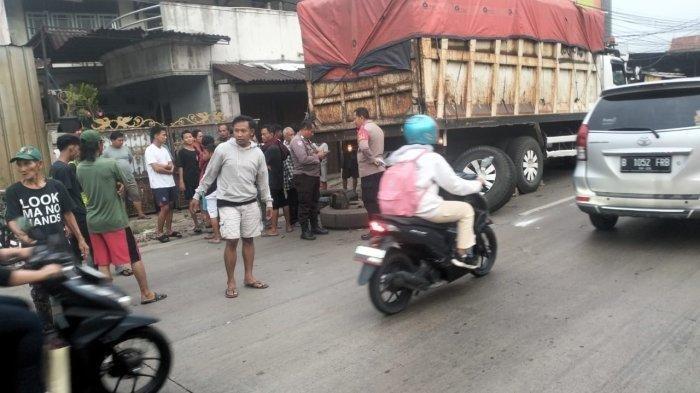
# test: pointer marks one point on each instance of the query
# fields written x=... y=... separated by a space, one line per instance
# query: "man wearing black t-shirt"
x=47 y=206
x=63 y=170
x=188 y=170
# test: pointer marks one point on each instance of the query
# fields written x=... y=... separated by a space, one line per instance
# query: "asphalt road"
x=566 y=309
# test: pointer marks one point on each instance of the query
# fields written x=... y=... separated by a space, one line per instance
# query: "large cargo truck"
x=514 y=98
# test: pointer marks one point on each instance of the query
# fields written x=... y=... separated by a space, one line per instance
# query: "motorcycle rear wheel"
x=486 y=247
x=126 y=364
x=384 y=297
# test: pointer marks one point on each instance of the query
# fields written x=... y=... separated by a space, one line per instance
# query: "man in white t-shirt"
x=160 y=169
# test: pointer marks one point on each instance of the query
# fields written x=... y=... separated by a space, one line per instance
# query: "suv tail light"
x=582 y=142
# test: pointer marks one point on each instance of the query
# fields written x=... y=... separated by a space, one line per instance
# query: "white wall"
x=15 y=22
x=256 y=34
x=4 y=28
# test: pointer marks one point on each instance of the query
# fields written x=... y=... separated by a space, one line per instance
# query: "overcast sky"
x=677 y=17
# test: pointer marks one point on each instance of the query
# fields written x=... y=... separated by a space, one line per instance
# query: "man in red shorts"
x=108 y=224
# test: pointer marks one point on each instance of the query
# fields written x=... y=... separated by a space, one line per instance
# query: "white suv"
x=639 y=153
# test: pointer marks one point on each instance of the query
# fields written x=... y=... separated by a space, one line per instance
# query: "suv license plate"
x=646 y=164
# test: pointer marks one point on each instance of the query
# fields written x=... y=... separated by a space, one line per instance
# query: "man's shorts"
x=165 y=196
x=278 y=199
x=189 y=192
x=116 y=248
x=132 y=191
x=242 y=221
x=210 y=205
x=349 y=172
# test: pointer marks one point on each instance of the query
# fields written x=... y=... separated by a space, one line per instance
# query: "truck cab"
x=611 y=71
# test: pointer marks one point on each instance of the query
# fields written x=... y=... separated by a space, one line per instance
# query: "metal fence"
x=138 y=139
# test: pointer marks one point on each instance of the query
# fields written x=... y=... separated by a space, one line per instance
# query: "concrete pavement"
x=566 y=309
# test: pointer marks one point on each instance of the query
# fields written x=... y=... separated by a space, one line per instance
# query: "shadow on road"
x=657 y=234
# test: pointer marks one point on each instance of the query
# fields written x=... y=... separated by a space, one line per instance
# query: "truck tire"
x=527 y=156
x=354 y=217
x=500 y=176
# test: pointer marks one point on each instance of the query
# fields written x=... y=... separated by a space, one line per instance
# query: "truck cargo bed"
x=465 y=83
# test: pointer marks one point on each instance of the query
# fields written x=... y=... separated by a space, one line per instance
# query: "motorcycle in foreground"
x=407 y=255
x=111 y=350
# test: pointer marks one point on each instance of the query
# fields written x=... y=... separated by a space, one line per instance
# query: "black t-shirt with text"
x=43 y=208
x=65 y=173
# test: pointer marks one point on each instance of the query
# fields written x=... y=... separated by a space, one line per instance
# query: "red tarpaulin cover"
x=352 y=34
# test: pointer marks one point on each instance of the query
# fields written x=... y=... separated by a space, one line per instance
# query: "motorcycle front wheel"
x=138 y=362
x=385 y=297
x=486 y=247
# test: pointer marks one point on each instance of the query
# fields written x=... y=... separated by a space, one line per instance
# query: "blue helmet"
x=420 y=130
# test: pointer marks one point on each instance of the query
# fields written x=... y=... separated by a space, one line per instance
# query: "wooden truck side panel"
x=462 y=80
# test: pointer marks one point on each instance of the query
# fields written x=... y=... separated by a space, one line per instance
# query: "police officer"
x=307 y=171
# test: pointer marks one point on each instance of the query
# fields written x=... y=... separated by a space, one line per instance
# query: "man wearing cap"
x=113 y=243
x=47 y=206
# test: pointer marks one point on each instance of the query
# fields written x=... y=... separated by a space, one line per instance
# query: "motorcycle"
x=111 y=350
x=407 y=255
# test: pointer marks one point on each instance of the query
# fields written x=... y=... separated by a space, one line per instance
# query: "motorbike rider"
x=421 y=133
x=21 y=335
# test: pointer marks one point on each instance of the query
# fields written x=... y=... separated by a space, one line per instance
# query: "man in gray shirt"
x=307 y=172
x=122 y=154
x=240 y=170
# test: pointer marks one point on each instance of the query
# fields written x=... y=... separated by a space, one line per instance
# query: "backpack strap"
x=416 y=164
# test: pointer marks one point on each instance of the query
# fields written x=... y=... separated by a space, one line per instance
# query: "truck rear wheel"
x=529 y=163
x=500 y=175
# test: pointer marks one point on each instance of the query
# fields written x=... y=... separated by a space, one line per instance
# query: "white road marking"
x=547 y=206
x=524 y=223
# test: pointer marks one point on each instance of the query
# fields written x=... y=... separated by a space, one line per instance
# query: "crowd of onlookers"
x=238 y=183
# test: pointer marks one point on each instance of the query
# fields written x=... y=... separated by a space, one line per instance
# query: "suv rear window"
x=656 y=110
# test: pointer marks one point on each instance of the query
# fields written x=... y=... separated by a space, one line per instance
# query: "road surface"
x=566 y=309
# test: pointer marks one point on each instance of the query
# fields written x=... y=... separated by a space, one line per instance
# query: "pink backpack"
x=398 y=195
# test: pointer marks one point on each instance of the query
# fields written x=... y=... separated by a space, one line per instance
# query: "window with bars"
x=35 y=21
x=86 y=21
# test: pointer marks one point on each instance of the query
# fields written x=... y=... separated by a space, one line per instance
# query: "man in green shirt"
x=122 y=154
x=112 y=240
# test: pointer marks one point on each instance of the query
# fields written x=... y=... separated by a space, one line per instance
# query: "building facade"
x=164 y=60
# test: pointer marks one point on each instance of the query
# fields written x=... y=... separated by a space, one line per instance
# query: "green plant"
x=80 y=100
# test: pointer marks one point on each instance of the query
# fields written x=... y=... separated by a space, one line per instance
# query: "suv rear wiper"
x=656 y=134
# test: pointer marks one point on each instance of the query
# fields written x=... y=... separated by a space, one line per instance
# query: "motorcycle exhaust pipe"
x=408 y=280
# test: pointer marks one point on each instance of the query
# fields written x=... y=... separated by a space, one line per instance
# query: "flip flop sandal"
x=256 y=285
x=163 y=238
x=158 y=297
x=197 y=230
x=126 y=272
x=176 y=234
x=231 y=294
x=269 y=234
x=214 y=241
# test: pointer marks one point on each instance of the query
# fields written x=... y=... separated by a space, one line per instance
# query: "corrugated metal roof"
x=76 y=45
x=248 y=74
